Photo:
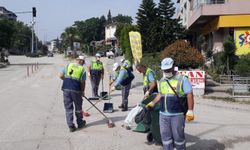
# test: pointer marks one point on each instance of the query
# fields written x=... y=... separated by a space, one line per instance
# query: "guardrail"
x=241 y=87
x=227 y=79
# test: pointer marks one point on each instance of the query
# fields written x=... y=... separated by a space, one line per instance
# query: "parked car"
x=50 y=54
x=102 y=52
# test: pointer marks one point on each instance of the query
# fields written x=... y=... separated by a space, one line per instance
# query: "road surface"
x=33 y=116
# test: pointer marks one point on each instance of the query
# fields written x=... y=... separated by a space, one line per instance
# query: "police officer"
x=74 y=76
x=174 y=90
x=126 y=64
x=149 y=79
x=125 y=80
x=95 y=73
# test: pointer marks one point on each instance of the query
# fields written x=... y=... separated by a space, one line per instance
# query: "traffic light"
x=34 y=11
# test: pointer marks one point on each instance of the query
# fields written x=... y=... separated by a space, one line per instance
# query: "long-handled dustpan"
x=103 y=94
x=109 y=121
x=108 y=107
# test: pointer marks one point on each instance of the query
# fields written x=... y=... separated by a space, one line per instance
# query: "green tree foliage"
x=149 y=26
x=125 y=43
x=122 y=19
x=243 y=66
x=22 y=38
x=183 y=54
x=229 y=54
x=69 y=36
x=7 y=31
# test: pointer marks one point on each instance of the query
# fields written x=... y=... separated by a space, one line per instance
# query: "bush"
x=153 y=60
x=183 y=54
x=243 y=66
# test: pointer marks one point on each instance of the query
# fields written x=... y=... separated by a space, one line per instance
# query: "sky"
x=53 y=16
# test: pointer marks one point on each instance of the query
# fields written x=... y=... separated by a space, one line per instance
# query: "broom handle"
x=96 y=108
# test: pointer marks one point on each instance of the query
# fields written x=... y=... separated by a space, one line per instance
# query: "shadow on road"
x=203 y=144
x=104 y=121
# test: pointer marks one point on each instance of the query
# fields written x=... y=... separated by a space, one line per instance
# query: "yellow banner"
x=135 y=43
x=242 y=39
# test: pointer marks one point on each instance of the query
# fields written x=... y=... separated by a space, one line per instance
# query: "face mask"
x=97 y=58
x=167 y=75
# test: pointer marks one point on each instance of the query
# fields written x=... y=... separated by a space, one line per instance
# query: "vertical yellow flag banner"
x=135 y=43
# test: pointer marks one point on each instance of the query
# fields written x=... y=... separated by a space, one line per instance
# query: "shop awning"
x=230 y=21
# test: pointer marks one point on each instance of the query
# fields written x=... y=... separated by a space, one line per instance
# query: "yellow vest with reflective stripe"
x=74 y=71
x=165 y=90
x=96 y=65
x=145 y=77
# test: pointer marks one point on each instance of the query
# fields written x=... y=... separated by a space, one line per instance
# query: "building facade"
x=110 y=30
x=6 y=14
x=216 y=20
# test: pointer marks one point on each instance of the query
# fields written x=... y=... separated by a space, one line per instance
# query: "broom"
x=109 y=121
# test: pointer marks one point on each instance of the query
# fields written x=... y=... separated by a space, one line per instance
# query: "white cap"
x=167 y=63
x=115 y=66
x=97 y=55
x=80 y=57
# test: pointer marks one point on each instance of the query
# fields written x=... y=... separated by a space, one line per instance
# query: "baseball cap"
x=167 y=63
x=97 y=55
x=80 y=57
x=115 y=66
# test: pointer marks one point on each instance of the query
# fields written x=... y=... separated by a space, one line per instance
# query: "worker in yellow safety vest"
x=96 y=73
x=74 y=77
x=177 y=103
x=149 y=79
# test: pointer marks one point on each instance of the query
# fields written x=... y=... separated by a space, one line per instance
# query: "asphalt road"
x=32 y=115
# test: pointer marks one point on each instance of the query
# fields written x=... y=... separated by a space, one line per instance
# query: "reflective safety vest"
x=96 y=65
x=169 y=101
x=96 y=68
x=146 y=82
x=127 y=64
x=73 y=77
x=126 y=74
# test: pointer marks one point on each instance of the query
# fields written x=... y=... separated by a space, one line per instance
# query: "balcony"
x=205 y=11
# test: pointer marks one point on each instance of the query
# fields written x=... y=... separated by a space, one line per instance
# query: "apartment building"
x=6 y=14
x=218 y=19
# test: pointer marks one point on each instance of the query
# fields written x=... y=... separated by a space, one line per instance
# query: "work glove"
x=190 y=115
x=112 y=89
x=150 y=105
x=146 y=94
x=88 y=74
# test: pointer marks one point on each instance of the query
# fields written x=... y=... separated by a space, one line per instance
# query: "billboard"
x=242 y=40
x=135 y=43
x=197 y=78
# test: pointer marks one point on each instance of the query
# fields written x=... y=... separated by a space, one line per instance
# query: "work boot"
x=121 y=106
x=83 y=124
x=125 y=108
x=72 y=128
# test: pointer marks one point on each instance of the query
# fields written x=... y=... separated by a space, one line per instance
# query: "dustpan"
x=108 y=108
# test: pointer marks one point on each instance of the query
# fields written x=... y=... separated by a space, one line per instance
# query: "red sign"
x=197 y=78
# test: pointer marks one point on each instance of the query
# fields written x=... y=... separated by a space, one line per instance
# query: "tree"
x=243 y=66
x=122 y=19
x=7 y=31
x=171 y=28
x=183 y=54
x=148 y=24
x=69 y=36
x=125 y=43
x=109 y=20
x=229 y=54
